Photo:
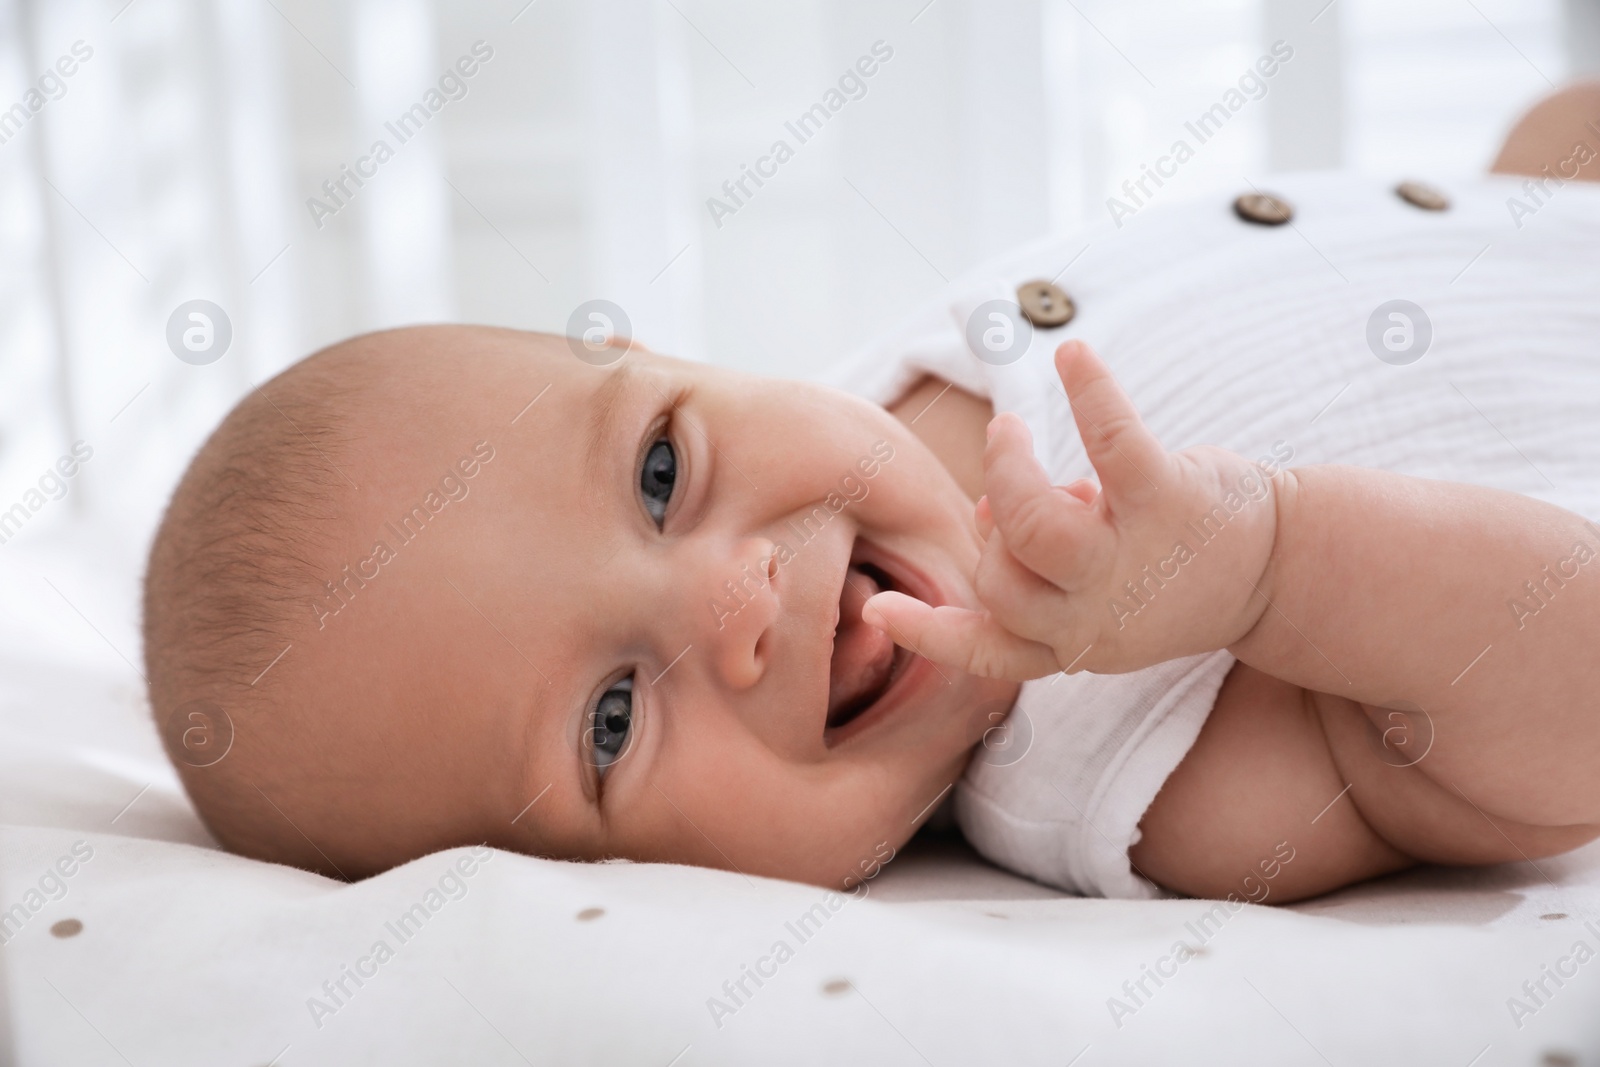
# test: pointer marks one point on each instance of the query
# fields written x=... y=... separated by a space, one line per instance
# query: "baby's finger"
x=984 y=518
x=1130 y=461
x=1083 y=489
x=1046 y=528
x=968 y=641
x=1018 y=599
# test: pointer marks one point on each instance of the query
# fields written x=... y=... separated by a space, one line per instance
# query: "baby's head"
x=452 y=585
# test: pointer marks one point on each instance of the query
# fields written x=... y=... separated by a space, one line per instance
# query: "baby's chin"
x=998 y=730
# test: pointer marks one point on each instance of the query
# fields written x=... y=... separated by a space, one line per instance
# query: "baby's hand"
x=1162 y=560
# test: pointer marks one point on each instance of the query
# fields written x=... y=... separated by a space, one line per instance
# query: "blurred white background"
x=177 y=160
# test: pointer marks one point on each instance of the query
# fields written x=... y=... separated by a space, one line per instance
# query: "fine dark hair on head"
x=236 y=560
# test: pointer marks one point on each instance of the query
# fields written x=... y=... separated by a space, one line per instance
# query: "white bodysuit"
x=1262 y=338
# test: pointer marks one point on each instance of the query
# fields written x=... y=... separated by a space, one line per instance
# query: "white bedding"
x=188 y=955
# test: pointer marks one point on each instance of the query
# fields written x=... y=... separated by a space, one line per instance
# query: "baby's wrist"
x=1260 y=563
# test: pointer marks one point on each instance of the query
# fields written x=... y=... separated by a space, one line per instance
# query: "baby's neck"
x=952 y=423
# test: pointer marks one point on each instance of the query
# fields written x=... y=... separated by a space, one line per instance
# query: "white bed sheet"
x=188 y=955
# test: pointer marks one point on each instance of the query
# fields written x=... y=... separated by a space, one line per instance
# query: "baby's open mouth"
x=865 y=661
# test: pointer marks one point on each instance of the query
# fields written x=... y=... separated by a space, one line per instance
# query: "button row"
x=1047 y=305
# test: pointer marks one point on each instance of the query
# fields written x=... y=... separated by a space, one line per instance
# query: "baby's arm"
x=1344 y=593
x=1389 y=590
x=1376 y=583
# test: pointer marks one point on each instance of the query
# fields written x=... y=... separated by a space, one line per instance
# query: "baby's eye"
x=610 y=723
x=660 y=470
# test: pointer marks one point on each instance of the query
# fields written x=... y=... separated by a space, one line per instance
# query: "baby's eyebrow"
x=607 y=399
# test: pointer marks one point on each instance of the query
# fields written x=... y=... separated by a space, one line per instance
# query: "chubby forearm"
x=1477 y=604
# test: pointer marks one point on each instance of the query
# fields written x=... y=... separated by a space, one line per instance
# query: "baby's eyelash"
x=671 y=415
x=677 y=398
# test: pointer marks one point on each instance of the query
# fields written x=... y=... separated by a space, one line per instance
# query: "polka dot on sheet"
x=590 y=914
x=67 y=928
x=836 y=987
x=1554 y=915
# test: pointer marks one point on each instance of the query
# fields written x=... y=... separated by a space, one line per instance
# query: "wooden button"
x=1263 y=208
x=1422 y=195
x=1044 y=304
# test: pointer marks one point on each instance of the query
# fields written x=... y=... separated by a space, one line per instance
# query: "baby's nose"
x=740 y=611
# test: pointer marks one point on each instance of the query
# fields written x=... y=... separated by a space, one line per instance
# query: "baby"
x=452 y=585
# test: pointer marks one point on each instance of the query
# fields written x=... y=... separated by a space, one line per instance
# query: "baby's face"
x=642 y=619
